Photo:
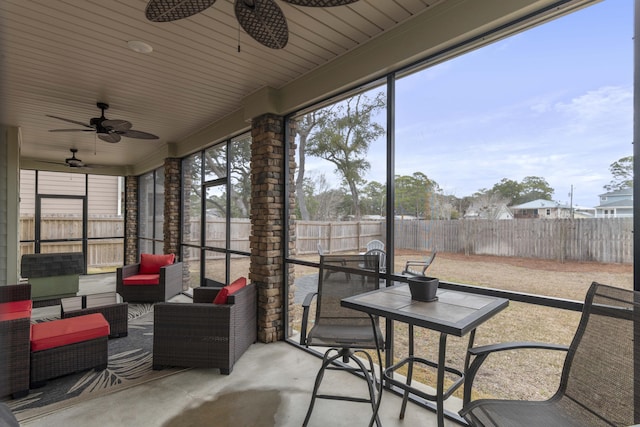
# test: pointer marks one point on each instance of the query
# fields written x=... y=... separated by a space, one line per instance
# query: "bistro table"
x=453 y=313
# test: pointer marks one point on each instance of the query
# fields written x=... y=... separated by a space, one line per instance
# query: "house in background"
x=541 y=209
x=616 y=204
x=500 y=211
x=583 y=212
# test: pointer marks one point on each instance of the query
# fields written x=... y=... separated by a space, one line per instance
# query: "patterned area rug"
x=130 y=361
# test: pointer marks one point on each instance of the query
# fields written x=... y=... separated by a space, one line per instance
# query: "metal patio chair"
x=375 y=244
x=597 y=382
x=346 y=332
x=419 y=268
x=381 y=259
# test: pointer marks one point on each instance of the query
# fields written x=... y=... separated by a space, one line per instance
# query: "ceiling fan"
x=73 y=161
x=261 y=19
x=107 y=130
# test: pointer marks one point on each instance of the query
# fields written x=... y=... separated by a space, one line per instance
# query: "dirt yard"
x=530 y=374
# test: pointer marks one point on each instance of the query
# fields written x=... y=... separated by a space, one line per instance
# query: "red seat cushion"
x=150 y=264
x=13 y=306
x=230 y=289
x=142 y=279
x=15 y=309
x=57 y=333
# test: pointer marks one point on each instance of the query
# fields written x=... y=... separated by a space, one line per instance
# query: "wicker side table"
x=108 y=303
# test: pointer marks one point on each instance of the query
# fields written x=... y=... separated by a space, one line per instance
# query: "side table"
x=108 y=303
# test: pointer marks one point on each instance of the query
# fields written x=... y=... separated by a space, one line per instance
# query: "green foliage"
x=622 y=171
x=344 y=139
x=516 y=193
x=414 y=195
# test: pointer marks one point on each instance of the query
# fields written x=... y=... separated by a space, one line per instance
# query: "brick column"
x=172 y=212
x=131 y=220
x=172 y=199
x=267 y=202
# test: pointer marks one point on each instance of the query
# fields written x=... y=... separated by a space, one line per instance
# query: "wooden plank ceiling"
x=61 y=57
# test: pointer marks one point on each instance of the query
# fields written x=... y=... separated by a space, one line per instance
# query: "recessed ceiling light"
x=139 y=46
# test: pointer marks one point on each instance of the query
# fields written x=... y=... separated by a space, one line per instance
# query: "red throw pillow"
x=230 y=289
x=150 y=264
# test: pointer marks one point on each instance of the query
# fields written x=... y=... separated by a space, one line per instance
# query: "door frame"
x=85 y=221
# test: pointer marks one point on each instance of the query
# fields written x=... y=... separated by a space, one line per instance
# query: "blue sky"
x=555 y=101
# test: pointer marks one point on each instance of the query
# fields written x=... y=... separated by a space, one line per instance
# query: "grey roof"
x=625 y=203
x=622 y=192
x=540 y=204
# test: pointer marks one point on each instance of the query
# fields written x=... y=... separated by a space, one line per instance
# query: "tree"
x=516 y=193
x=345 y=137
x=304 y=127
x=414 y=195
x=535 y=188
x=374 y=201
x=622 y=171
x=508 y=190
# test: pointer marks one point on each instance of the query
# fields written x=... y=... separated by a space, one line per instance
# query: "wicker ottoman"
x=65 y=346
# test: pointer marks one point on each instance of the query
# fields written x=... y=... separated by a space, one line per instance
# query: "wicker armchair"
x=597 y=384
x=170 y=284
x=203 y=334
x=14 y=345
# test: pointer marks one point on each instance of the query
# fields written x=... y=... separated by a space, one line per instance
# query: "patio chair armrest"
x=18 y=292
x=485 y=350
x=128 y=270
x=482 y=352
x=305 y=316
x=171 y=279
x=422 y=267
x=205 y=294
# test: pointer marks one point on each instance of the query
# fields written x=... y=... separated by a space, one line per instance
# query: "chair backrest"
x=343 y=276
x=380 y=256
x=598 y=373
x=429 y=260
x=375 y=244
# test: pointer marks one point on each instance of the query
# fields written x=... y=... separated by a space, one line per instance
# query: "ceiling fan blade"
x=70 y=121
x=138 y=134
x=53 y=163
x=264 y=21
x=172 y=10
x=72 y=130
x=109 y=137
x=116 y=125
x=320 y=3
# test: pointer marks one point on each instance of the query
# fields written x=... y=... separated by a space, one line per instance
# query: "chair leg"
x=325 y=362
x=369 y=375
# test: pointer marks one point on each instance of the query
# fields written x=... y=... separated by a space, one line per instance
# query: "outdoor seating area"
x=34 y=353
x=61 y=347
x=346 y=332
x=598 y=382
x=155 y=278
x=282 y=213
x=212 y=332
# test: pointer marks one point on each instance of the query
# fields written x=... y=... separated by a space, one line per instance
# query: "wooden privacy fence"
x=606 y=240
x=336 y=236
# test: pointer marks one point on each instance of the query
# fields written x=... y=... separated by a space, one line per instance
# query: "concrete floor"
x=270 y=386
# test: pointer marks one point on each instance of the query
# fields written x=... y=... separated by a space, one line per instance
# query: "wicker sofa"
x=14 y=344
x=166 y=283
x=203 y=334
